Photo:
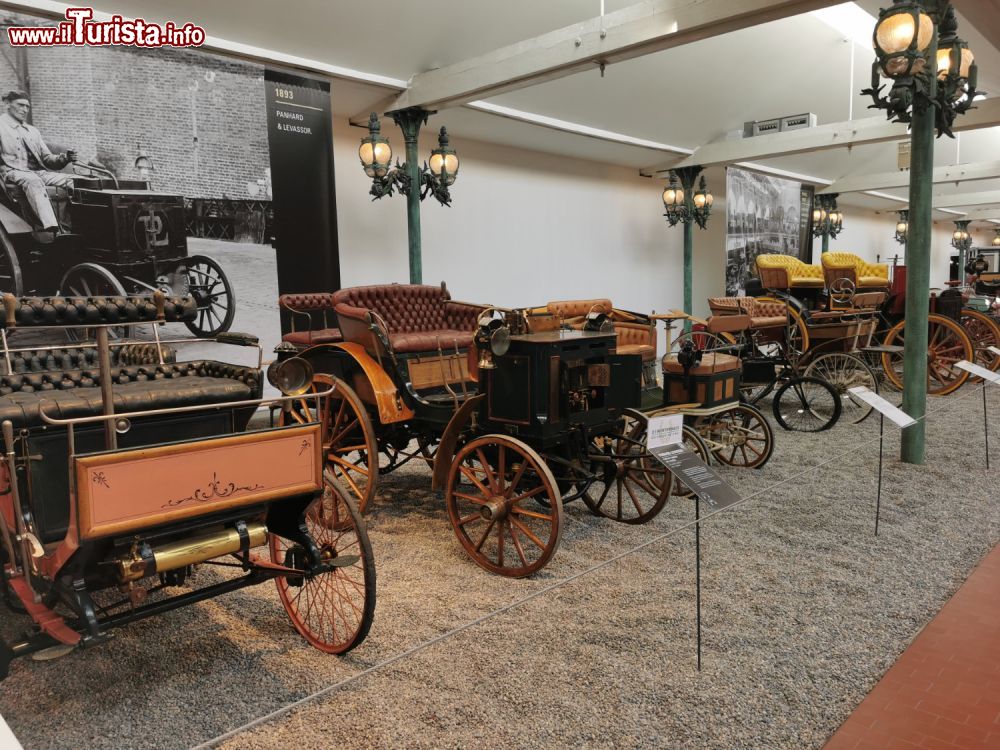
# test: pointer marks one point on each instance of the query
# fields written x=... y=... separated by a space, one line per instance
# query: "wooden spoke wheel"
x=631 y=485
x=491 y=485
x=845 y=371
x=349 y=445
x=740 y=436
x=797 y=332
x=984 y=332
x=213 y=293
x=947 y=343
x=806 y=405
x=331 y=605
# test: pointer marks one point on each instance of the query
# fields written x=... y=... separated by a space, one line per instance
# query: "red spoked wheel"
x=947 y=344
x=984 y=332
x=504 y=505
x=332 y=607
x=349 y=445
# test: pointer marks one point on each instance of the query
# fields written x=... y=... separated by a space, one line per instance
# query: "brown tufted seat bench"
x=761 y=314
x=635 y=335
x=415 y=318
x=313 y=319
x=65 y=381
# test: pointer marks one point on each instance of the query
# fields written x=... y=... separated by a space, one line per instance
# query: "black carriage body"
x=549 y=384
x=129 y=225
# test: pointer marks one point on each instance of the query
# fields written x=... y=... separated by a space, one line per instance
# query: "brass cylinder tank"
x=189 y=551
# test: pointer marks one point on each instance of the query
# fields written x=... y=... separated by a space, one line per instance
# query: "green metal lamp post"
x=828 y=220
x=961 y=240
x=933 y=80
x=682 y=203
x=412 y=180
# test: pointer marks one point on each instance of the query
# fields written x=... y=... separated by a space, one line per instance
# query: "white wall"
x=527 y=227
x=524 y=228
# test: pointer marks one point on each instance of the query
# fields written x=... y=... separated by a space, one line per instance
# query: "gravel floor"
x=804 y=609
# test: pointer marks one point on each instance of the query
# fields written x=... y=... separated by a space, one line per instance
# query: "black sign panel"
x=697 y=476
x=300 y=141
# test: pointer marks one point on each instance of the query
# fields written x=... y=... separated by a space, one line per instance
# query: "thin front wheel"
x=806 y=405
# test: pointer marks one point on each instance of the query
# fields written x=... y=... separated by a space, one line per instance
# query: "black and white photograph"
x=764 y=214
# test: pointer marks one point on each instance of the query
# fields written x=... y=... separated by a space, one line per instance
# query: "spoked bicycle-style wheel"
x=947 y=344
x=331 y=606
x=491 y=487
x=349 y=446
x=806 y=405
x=984 y=332
x=845 y=371
x=631 y=485
x=740 y=436
x=213 y=293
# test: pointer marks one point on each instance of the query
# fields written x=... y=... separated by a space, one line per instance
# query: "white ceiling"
x=684 y=97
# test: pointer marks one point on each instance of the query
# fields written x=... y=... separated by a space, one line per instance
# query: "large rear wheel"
x=984 y=332
x=332 y=603
x=845 y=371
x=947 y=344
x=349 y=446
x=92 y=280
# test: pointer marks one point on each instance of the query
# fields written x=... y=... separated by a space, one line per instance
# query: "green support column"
x=918 y=275
x=409 y=121
x=688 y=270
x=825 y=247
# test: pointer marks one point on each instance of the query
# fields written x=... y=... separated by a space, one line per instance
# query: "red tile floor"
x=944 y=691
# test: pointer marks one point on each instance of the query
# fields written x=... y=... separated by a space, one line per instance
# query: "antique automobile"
x=123 y=238
x=131 y=486
x=515 y=419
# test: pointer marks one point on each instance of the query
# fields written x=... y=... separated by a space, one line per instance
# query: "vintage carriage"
x=856 y=321
x=124 y=238
x=126 y=471
x=514 y=419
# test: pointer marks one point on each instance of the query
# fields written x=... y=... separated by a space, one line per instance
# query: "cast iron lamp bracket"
x=682 y=203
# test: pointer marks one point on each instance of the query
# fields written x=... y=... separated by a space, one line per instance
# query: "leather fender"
x=391 y=407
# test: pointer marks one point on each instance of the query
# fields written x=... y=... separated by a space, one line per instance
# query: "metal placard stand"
x=884 y=409
x=664 y=442
x=988 y=376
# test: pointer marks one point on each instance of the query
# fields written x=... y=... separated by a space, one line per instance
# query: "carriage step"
x=883 y=349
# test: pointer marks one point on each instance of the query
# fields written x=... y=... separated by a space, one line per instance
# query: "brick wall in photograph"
x=199 y=117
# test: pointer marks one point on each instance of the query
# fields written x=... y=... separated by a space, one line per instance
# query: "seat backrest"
x=576 y=308
x=405 y=308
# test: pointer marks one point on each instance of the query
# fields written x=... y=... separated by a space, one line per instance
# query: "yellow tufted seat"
x=778 y=271
x=865 y=275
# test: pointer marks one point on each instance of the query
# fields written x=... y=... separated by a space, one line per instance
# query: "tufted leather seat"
x=417 y=318
x=634 y=335
x=83 y=358
x=865 y=275
x=77 y=393
x=777 y=271
x=67 y=311
x=762 y=314
x=301 y=307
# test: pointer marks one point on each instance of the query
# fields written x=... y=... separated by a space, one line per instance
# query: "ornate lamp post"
x=996 y=240
x=902 y=226
x=828 y=220
x=961 y=240
x=913 y=40
x=412 y=180
x=682 y=203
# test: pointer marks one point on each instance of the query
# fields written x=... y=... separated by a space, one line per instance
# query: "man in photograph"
x=25 y=160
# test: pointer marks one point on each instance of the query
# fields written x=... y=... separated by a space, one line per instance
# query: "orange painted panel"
x=130 y=490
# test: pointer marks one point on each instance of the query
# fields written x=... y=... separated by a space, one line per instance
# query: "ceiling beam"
x=940 y=200
x=981 y=214
x=901 y=178
x=822 y=137
x=637 y=30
